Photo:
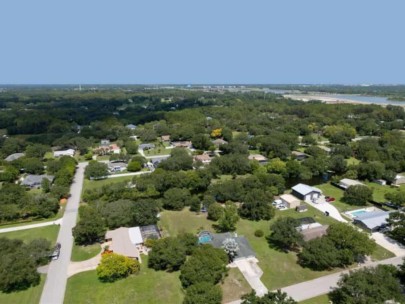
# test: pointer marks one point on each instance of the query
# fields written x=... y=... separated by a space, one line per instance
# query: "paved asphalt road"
x=55 y=285
x=310 y=289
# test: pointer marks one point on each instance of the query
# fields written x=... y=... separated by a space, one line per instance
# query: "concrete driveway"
x=389 y=244
x=90 y=264
x=324 y=206
x=252 y=273
x=55 y=284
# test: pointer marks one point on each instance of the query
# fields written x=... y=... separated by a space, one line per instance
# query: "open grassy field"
x=94 y=184
x=147 y=287
x=379 y=191
x=82 y=253
x=48 y=232
x=175 y=222
x=161 y=150
x=30 y=296
x=234 y=286
x=317 y=300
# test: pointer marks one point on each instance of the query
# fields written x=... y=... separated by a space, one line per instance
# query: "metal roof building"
x=372 y=220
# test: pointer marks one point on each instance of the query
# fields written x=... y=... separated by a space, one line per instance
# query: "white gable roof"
x=135 y=235
x=305 y=189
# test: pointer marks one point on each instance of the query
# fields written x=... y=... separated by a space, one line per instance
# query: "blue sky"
x=221 y=41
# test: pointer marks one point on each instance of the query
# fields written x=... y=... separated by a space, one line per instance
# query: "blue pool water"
x=357 y=213
x=204 y=239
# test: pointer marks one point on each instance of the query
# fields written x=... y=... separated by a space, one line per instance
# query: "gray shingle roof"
x=35 y=180
x=245 y=250
x=14 y=156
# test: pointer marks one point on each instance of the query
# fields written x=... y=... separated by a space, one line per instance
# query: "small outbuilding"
x=301 y=208
x=347 y=182
x=306 y=193
x=290 y=201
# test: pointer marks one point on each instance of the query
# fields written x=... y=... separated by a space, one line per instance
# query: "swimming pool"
x=204 y=237
x=358 y=212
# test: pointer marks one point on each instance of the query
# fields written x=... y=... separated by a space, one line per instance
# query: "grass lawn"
x=48 y=232
x=317 y=300
x=352 y=161
x=82 y=253
x=175 y=222
x=379 y=191
x=234 y=286
x=157 y=151
x=330 y=190
x=30 y=296
x=280 y=269
x=94 y=184
x=380 y=253
x=147 y=287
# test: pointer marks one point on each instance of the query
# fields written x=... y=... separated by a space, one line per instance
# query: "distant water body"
x=348 y=97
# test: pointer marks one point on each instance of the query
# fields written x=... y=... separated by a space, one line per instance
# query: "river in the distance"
x=348 y=97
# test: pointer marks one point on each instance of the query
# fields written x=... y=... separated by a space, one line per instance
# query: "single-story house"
x=146 y=146
x=121 y=242
x=314 y=232
x=306 y=193
x=14 y=156
x=182 y=144
x=165 y=138
x=299 y=155
x=290 y=201
x=35 y=181
x=117 y=166
x=372 y=221
x=157 y=160
x=347 y=182
x=217 y=240
x=131 y=127
x=258 y=157
x=399 y=180
x=204 y=158
x=105 y=142
x=115 y=149
x=68 y=152
x=219 y=141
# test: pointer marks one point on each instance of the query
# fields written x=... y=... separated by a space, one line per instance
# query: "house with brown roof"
x=165 y=138
x=121 y=242
x=219 y=141
x=204 y=158
x=182 y=144
x=314 y=233
x=258 y=157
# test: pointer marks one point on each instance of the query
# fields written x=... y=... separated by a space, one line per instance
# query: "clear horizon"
x=179 y=42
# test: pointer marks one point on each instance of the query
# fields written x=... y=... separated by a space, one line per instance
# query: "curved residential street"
x=55 y=284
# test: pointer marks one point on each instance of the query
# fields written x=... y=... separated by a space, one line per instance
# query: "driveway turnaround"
x=25 y=227
x=55 y=284
x=90 y=264
x=311 y=289
x=252 y=273
x=324 y=206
